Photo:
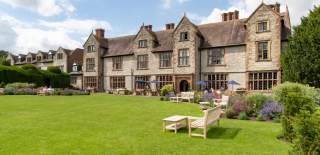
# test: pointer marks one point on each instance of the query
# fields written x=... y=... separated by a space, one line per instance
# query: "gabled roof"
x=223 y=33
x=120 y=46
x=262 y=4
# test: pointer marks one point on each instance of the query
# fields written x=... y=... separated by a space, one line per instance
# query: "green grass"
x=103 y=124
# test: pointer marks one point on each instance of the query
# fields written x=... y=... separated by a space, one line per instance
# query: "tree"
x=3 y=53
x=301 y=60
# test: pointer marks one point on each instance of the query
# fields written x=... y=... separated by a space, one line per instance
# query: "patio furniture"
x=175 y=123
x=222 y=102
x=211 y=117
x=183 y=96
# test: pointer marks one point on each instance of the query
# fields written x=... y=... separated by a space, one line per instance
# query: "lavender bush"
x=207 y=97
x=271 y=110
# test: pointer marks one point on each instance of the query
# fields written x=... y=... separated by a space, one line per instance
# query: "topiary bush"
x=256 y=101
x=293 y=104
x=54 y=69
x=166 y=89
x=307 y=131
x=18 y=85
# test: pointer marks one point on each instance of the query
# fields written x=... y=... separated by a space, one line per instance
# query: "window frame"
x=90 y=65
x=59 y=56
x=143 y=43
x=262 y=80
x=117 y=63
x=184 y=58
x=261 y=52
x=217 y=80
x=90 y=81
x=164 y=80
x=91 y=48
x=143 y=60
x=117 y=82
x=184 y=36
x=263 y=26
x=145 y=78
x=213 y=59
x=165 y=60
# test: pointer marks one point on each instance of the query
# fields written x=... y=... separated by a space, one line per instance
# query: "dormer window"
x=91 y=48
x=59 y=56
x=263 y=26
x=143 y=43
x=75 y=67
x=38 y=58
x=184 y=36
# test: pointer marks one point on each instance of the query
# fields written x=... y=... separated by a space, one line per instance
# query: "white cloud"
x=297 y=9
x=76 y=26
x=43 y=7
x=168 y=3
x=21 y=37
x=8 y=35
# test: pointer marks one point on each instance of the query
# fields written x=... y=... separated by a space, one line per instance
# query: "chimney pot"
x=230 y=15
x=170 y=26
x=100 y=33
x=148 y=27
x=236 y=14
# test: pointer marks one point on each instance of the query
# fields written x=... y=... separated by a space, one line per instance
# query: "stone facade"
x=43 y=60
x=214 y=53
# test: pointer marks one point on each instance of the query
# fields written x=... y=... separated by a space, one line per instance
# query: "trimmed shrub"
x=307 y=130
x=271 y=110
x=166 y=89
x=293 y=104
x=9 y=91
x=230 y=113
x=2 y=85
x=281 y=91
x=19 y=85
x=256 y=101
x=243 y=116
x=54 y=69
x=30 y=74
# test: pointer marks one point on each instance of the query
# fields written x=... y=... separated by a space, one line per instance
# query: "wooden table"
x=175 y=123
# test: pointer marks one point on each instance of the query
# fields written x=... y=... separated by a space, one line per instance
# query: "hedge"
x=29 y=74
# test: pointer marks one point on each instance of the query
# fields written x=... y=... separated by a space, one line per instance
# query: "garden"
x=29 y=80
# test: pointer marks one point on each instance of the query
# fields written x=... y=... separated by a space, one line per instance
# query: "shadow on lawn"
x=216 y=132
x=223 y=133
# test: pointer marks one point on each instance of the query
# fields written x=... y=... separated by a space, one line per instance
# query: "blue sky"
x=32 y=25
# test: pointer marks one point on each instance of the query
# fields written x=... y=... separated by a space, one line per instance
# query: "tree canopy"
x=301 y=60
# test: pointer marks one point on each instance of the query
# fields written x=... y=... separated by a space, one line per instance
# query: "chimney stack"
x=170 y=26
x=230 y=16
x=148 y=27
x=100 y=33
x=275 y=7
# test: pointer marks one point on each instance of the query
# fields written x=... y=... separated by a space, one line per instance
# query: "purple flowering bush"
x=239 y=106
x=271 y=110
x=207 y=97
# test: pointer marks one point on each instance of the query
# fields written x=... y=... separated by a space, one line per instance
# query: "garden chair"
x=211 y=117
x=222 y=102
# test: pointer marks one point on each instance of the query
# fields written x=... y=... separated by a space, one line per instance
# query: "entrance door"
x=184 y=86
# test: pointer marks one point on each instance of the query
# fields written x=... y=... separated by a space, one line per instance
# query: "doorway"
x=184 y=86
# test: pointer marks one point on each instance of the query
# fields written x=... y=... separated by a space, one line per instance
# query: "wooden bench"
x=183 y=96
x=211 y=117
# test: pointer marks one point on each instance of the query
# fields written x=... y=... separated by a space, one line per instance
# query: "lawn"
x=103 y=124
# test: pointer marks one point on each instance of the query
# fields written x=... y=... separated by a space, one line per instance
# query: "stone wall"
x=273 y=36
